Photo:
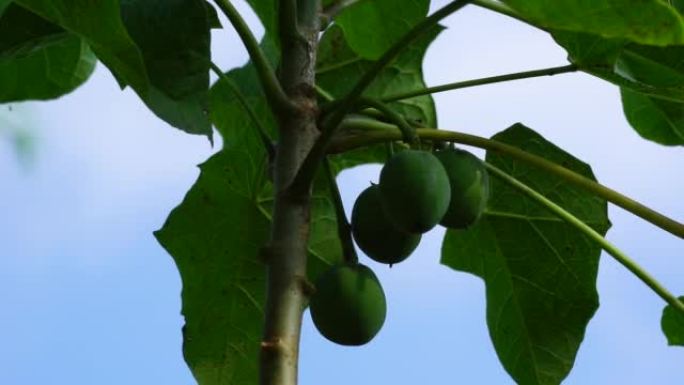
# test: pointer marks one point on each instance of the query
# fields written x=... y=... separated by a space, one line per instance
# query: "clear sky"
x=89 y=297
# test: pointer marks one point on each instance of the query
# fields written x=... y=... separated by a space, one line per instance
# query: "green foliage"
x=469 y=183
x=223 y=280
x=656 y=119
x=651 y=79
x=337 y=61
x=539 y=272
x=646 y=21
x=38 y=59
x=414 y=190
x=374 y=232
x=383 y=23
x=172 y=42
x=214 y=237
x=672 y=323
x=349 y=306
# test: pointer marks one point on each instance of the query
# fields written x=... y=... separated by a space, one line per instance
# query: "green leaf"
x=651 y=22
x=372 y=27
x=212 y=15
x=651 y=79
x=656 y=71
x=39 y=60
x=339 y=67
x=539 y=272
x=174 y=38
x=3 y=5
x=672 y=324
x=164 y=59
x=215 y=236
x=267 y=11
x=655 y=119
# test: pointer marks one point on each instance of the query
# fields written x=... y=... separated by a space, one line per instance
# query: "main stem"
x=286 y=254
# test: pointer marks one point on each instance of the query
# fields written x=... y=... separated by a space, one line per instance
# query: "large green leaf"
x=539 y=272
x=655 y=119
x=215 y=236
x=174 y=38
x=39 y=60
x=339 y=67
x=371 y=27
x=651 y=22
x=651 y=78
x=169 y=68
x=672 y=323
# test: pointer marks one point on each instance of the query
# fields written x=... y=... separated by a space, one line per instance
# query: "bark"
x=286 y=254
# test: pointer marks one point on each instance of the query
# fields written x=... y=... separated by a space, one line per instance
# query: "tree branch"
x=611 y=249
x=359 y=132
x=278 y=100
x=313 y=159
x=482 y=81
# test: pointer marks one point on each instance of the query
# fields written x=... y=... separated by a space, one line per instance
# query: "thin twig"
x=263 y=133
x=482 y=81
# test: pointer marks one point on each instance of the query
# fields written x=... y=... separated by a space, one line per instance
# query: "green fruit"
x=375 y=234
x=469 y=187
x=349 y=305
x=414 y=189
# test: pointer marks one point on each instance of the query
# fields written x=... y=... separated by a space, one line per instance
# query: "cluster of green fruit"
x=417 y=190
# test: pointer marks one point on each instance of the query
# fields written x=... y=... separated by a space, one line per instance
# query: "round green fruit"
x=349 y=305
x=469 y=187
x=414 y=189
x=375 y=234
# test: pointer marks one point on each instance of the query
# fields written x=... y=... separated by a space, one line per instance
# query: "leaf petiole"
x=572 y=220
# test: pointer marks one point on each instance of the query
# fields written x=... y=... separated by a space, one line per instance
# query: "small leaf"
x=339 y=68
x=672 y=324
x=650 y=22
x=655 y=119
x=39 y=60
x=539 y=272
x=372 y=27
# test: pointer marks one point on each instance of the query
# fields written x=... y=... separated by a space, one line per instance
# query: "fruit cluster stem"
x=360 y=132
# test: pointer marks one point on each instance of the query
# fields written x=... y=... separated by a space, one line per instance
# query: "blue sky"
x=89 y=297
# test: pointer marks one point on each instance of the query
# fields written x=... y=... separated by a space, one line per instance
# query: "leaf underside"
x=539 y=272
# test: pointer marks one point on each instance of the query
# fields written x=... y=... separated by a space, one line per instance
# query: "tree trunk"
x=286 y=254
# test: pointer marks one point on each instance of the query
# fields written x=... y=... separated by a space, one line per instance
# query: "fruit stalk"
x=343 y=226
x=360 y=132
